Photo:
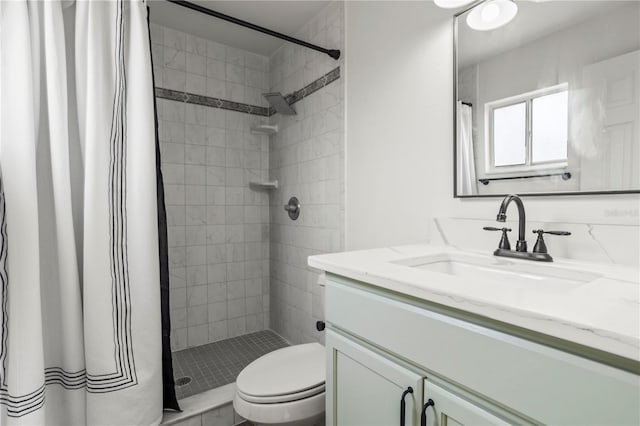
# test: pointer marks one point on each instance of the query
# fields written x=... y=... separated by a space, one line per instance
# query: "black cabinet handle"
x=402 y=404
x=423 y=416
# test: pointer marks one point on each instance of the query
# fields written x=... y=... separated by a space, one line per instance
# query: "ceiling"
x=286 y=17
x=535 y=19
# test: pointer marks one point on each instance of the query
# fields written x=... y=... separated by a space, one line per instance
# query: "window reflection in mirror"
x=550 y=103
x=549 y=128
x=508 y=132
x=528 y=131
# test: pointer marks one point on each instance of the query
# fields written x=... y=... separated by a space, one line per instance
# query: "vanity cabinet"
x=370 y=389
x=381 y=342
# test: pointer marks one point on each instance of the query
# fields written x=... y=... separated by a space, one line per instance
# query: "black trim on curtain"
x=169 y=399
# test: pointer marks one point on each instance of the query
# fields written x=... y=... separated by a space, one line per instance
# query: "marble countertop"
x=602 y=313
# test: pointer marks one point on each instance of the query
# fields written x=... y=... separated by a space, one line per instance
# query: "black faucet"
x=521 y=245
x=504 y=249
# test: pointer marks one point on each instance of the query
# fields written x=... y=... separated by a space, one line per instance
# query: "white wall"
x=399 y=135
x=398 y=108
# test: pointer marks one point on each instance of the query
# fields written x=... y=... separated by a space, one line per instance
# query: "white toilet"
x=284 y=387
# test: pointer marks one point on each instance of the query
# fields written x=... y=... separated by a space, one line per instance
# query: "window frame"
x=529 y=165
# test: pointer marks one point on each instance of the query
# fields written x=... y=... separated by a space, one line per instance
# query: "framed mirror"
x=548 y=103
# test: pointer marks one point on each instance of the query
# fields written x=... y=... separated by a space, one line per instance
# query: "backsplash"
x=601 y=243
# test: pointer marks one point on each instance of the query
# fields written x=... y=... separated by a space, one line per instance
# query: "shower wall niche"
x=218 y=227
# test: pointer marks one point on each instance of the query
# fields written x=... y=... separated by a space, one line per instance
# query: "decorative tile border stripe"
x=292 y=98
x=307 y=90
x=192 y=98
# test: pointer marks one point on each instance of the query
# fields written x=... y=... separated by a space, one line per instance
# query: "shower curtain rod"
x=335 y=54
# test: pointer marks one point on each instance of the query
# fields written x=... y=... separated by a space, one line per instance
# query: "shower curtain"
x=79 y=266
x=467 y=184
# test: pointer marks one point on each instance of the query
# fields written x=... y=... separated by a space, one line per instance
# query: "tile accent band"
x=292 y=98
x=307 y=90
x=192 y=98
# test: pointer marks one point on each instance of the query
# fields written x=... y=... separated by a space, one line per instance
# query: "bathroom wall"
x=307 y=158
x=400 y=165
x=397 y=111
x=218 y=227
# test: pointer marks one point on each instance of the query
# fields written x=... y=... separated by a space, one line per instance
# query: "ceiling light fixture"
x=452 y=4
x=492 y=14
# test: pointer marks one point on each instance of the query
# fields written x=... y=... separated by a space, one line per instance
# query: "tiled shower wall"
x=307 y=157
x=218 y=227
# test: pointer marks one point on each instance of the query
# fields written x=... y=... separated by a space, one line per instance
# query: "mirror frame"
x=455 y=133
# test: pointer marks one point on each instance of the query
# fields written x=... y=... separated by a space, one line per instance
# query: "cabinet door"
x=366 y=388
x=443 y=408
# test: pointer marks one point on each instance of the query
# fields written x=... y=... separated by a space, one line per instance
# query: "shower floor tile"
x=219 y=363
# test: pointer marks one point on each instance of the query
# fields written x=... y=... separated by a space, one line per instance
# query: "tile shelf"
x=264 y=185
x=264 y=129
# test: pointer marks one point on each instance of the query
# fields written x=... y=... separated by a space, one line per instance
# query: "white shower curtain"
x=80 y=298
x=467 y=184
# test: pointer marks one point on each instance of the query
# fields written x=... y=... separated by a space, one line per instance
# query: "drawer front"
x=542 y=383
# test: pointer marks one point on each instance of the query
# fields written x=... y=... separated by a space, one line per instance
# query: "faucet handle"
x=540 y=246
x=541 y=231
x=504 y=241
x=493 y=228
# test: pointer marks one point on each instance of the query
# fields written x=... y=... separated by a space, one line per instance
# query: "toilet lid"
x=285 y=374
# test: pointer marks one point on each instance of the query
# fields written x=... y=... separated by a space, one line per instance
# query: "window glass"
x=509 y=135
x=549 y=127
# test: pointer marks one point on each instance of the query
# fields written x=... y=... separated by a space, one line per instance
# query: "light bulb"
x=492 y=14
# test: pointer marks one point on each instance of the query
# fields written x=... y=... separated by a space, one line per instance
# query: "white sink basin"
x=501 y=270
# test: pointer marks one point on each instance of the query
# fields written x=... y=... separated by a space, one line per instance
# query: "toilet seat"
x=283 y=375
x=283 y=387
x=281 y=398
x=297 y=413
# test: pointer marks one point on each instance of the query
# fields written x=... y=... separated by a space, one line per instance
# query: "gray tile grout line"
x=219 y=363
x=292 y=98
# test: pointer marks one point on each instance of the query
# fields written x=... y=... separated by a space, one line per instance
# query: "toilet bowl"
x=284 y=387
